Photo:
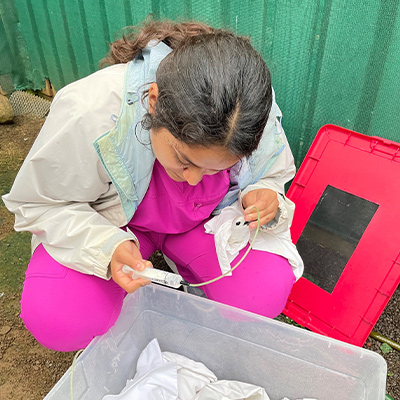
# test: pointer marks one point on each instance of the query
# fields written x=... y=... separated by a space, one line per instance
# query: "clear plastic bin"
x=234 y=344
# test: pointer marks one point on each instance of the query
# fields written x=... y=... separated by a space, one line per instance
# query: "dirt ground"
x=27 y=370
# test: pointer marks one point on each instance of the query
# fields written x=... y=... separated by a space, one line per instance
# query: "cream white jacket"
x=63 y=194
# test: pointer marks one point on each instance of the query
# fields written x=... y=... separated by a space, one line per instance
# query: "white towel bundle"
x=231 y=236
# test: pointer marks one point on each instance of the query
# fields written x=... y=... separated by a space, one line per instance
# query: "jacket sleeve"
x=62 y=178
x=281 y=172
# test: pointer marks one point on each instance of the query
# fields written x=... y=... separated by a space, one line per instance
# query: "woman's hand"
x=128 y=253
x=266 y=200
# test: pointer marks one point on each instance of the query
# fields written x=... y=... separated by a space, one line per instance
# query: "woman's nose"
x=193 y=175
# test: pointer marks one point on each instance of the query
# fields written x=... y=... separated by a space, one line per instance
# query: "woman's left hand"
x=266 y=200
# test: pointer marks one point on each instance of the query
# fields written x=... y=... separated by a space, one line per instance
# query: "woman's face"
x=185 y=163
x=188 y=164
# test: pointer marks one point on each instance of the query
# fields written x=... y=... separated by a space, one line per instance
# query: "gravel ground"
x=389 y=325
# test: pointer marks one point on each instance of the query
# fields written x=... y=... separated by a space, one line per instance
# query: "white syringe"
x=156 y=275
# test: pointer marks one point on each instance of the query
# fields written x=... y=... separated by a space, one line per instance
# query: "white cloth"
x=231 y=235
x=192 y=375
x=155 y=379
x=231 y=390
x=305 y=398
x=170 y=376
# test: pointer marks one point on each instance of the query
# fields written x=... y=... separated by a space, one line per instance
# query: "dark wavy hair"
x=214 y=87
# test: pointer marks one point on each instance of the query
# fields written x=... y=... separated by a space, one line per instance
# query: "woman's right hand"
x=128 y=253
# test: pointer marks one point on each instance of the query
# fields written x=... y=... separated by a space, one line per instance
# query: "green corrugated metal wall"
x=332 y=61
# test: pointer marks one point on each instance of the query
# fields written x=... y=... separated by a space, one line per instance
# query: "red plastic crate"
x=368 y=168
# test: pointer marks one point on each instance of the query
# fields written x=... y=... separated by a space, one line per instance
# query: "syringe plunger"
x=156 y=275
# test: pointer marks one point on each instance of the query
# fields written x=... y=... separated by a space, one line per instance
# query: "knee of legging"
x=265 y=293
x=61 y=332
x=61 y=324
x=277 y=293
x=48 y=327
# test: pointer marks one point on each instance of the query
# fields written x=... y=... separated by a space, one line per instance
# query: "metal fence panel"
x=332 y=61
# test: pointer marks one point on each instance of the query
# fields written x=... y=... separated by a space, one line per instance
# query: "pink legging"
x=65 y=309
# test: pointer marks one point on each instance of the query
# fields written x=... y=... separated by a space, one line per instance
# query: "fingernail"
x=140 y=267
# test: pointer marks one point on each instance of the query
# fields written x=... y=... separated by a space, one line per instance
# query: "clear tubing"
x=155 y=275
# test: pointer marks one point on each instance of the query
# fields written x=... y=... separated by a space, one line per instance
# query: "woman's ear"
x=153 y=96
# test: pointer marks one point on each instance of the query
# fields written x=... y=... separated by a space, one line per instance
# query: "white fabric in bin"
x=155 y=379
x=231 y=390
x=192 y=375
x=170 y=376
